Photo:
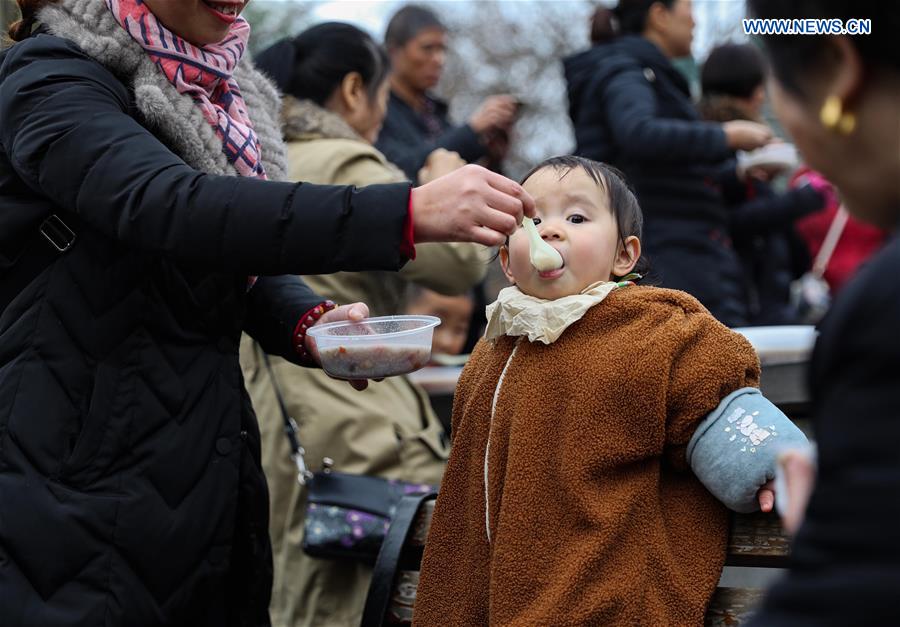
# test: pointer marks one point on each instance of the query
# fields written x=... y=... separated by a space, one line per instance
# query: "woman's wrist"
x=408 y=242
x=306 y=321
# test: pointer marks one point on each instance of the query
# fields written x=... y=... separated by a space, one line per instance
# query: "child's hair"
x=313 y=64
x=622 y=201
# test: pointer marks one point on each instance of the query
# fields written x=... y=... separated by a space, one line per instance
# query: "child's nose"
x=551 y=231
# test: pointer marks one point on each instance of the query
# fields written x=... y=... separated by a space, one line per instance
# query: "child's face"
x=454 y=312
x=573 y=216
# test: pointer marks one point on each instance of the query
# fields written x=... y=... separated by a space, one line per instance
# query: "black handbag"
x=347 y=515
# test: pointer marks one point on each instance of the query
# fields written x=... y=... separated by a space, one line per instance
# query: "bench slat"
x=403 y=597
x=731 y=606
x=757 y=540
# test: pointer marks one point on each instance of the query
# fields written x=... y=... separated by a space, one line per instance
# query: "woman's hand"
x=496 y=144
x=439 y=163
x=471 y=204
x=798 y=474
x=745 y=135
x=354 y=312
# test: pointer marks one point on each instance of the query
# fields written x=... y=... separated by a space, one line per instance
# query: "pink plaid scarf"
x=204 y=74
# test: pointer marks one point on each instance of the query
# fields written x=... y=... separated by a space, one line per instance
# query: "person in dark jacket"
x=630 y=107
x=138 y=238
x=838 y=97
x=417 y=122
x=762 y=220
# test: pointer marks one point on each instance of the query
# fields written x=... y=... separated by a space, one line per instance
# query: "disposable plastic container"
x=781 y=155
x=374 y=348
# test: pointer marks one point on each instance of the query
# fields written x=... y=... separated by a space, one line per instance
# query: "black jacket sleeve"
x=774 y=212
x=846 y=555
x=407 y=149
x=629 y=104
x=275 y=305
x=66 y=127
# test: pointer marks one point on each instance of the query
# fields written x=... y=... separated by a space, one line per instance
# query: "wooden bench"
x=756 y=540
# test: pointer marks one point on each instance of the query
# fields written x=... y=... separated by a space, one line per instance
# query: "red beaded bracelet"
x=307 y=320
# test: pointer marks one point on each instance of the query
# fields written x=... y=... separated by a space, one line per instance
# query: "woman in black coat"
x=630 y=107
x=838 y=97
x=131 y=259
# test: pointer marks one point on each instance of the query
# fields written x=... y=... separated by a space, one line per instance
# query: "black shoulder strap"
x=53 y=238
x=386 y=565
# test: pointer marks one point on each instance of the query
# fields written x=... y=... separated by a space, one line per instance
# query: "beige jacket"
x=389 y=430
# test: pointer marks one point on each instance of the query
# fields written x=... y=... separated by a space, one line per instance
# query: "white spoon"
x=543 y=256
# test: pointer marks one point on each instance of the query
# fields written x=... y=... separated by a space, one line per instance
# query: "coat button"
x=223 y=446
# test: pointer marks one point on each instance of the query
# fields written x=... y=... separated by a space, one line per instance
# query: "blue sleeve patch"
x=734 y=450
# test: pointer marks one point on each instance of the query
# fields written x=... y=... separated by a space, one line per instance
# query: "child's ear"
x=504 y=263
x=627 y=256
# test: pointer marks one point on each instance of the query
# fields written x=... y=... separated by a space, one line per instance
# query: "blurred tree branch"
x=516 y=48
x=271 y=21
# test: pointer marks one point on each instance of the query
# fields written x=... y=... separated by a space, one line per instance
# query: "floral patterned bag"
x=347 y=515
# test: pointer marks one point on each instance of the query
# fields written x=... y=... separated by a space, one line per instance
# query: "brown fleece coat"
x=594 y=518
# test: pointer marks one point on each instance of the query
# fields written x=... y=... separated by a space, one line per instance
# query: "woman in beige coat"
x=334 y=77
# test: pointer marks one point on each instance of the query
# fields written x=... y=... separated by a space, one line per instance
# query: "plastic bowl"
x=779 y=155
x=374 y=348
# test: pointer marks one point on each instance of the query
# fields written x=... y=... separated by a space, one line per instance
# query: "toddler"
x=600 y=429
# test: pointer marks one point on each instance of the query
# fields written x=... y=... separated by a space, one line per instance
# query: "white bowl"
x=375 y=348
x=779 y=155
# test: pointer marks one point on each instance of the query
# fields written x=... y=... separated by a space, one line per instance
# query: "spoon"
x=543 y=256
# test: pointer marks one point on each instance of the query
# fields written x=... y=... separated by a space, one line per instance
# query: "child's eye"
x=536 y=221
x=577 y=218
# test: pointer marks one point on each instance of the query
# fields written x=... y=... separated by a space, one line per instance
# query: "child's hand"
x=766 y=496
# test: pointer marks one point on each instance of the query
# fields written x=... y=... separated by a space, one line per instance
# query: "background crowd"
x=770 y=243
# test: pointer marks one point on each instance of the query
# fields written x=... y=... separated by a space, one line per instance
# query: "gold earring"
x=834 y=118
x=830 y=114
x=847 y=123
